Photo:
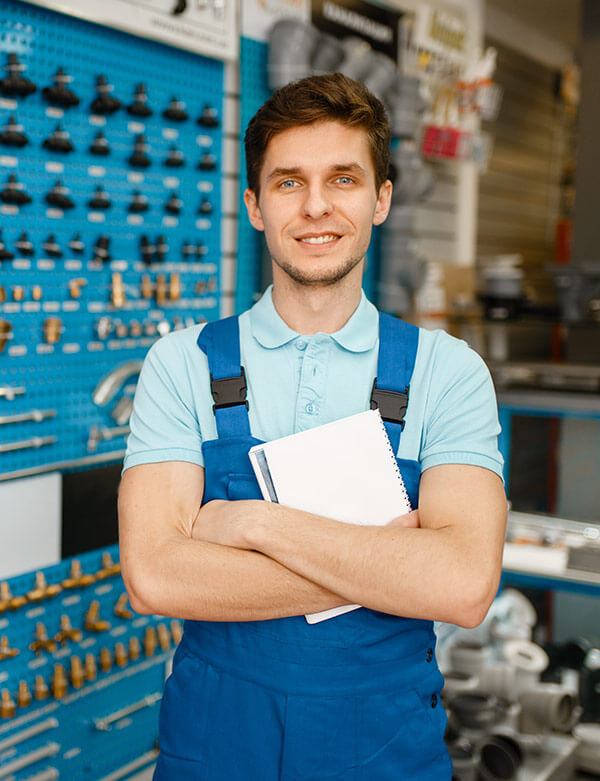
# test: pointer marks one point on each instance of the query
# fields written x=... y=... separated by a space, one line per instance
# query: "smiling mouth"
x=324 y=238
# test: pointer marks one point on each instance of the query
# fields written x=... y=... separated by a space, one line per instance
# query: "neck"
x=309 y=309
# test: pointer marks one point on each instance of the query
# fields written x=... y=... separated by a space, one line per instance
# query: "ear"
x=384 y=202
x=254 y=214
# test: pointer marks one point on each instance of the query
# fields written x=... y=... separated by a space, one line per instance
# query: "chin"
x=322 y=277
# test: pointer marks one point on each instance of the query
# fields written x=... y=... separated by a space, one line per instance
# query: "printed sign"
x=441 y=30
x=376 y=25
x=203 y=27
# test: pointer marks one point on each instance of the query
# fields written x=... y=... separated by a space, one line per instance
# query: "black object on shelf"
x=104 y=102
x=209 y=117
x=59 y=141
x=175 y=158
x=15 y=84
x=24 y=246
x=139 y=203
x=147 y=250
x=58 y=94
x=162 y=248
x=14 y=193
x=174 y=205
x=188 y=250
x=208 y=162
x=176 y=111
x=100 y=200
x=101 y=249
x=5 y=254
x=76 y=245
x=139 y=158
x=59 y=196
x=99 y=145
x=13 y=134
x=205 y=207
x=51 y=247
x=140 y=107
x=179 y=7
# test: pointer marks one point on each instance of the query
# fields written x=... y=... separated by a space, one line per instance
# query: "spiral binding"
x=394 y=459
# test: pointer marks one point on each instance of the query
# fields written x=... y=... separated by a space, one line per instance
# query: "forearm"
x=417 y=573
x=200 y=580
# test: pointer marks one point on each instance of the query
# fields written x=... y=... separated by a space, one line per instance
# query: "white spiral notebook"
x=345 y=470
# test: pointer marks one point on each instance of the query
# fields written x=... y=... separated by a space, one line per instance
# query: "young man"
x=257 y=692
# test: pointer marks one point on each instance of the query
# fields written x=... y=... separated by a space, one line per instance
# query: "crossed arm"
x=253 y=560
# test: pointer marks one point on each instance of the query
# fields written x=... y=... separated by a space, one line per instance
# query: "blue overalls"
x=354 y=698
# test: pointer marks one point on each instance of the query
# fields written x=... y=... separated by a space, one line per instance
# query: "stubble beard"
x=322 y=278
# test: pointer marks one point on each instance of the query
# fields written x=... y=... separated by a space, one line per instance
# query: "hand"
x=409 y=521
x=225 y=523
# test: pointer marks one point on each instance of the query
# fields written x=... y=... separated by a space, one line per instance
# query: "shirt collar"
x=359 y=334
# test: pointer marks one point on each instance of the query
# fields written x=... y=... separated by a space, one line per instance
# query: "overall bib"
x=354 y=698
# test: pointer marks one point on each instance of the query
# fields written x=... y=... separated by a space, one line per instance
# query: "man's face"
x=318 y=202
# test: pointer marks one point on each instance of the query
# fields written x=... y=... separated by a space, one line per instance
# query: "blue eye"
x=345 y=179
x=288 y=184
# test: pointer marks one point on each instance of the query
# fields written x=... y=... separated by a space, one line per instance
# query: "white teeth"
x=319 y=239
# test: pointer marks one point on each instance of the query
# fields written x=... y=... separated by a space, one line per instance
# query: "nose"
x=317 y=201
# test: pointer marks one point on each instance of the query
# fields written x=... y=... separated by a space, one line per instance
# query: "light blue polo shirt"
x=296 y=382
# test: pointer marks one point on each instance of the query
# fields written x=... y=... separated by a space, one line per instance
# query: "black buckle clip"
x=229 y=391
x=391 y=404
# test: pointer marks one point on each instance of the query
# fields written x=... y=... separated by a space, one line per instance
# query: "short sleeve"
x=164 y=423
x=461 y=420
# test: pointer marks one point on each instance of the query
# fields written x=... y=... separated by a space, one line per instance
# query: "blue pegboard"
x=62 y=376
x=98 y=724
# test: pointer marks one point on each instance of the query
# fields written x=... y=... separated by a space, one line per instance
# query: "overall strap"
x=220 y=340
x=398 y=342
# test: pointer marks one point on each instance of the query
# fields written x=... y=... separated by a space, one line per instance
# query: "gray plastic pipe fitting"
x=547 y=707
x=291 y=47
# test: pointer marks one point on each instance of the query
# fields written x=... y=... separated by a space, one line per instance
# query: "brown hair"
x=317 y=99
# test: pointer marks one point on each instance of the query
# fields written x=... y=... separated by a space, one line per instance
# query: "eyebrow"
x=337 y=168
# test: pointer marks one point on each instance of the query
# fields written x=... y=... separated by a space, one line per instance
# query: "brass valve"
x=23 y=695
x=67 y=632
x=42 y=642
x=150 y=641
x=76 y=577
x=36 y=292
x=174 y=287
x=117 y=295
x=7 y=705
x=91 y=671
x=121 y=608
x=120 y=655
x=40 y=688
x=76 y=672
x=134 y=648
x=18 y=292
x=92 y=621
x=147 y=287
x=6 y=652
x=164 y=638
x=59 y=682
x=75 y=286
x=52 y=329
x=7 y=601
x=108 y=568
x=176 y=632
x=42 y=590
x=161 y=289
x=105 y=660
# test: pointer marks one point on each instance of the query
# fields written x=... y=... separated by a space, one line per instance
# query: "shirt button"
x=301 y=344
x=433 y=700
x=429 y=654
x=310 y=408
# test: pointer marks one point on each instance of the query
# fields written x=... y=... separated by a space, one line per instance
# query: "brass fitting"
x=92 y=621
x=164 y=638
x=18 y=292
x=36 y=292
x=40 y=688
x=6 y=652
x=121 y=658
x=147 y=288
x=108 y=568
x=134 y=648
x=161 y=289
x=105 y=660
x=200 y=287
x=59 y=682
x=150 y=641
x=7 y=601
x=121 y=608
x=117 y=295
x=75 y=286
x=174 y=287
x=42 y=642
x=91 y=670
x=52 y=329
x=67 y=632
x=76 y=672
x=2 y=294
x=5 y=333
x=23 y=695
x=7 y=705
x=42 y=590
x=76 y=577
